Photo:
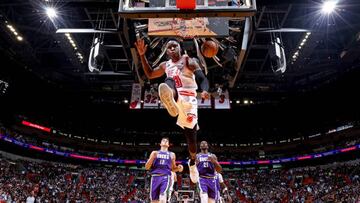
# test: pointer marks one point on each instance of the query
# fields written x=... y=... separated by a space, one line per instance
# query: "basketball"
x=209 y=49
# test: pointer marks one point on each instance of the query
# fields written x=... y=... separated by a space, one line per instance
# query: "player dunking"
x=207 y=165
x=161 y=163
x=178 y=93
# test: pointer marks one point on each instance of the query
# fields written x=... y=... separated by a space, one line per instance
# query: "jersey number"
x=150 y=99
x=177 y=81
x=162 y=162
x=206 y=164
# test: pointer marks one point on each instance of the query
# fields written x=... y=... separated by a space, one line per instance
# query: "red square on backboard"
x=186 y=4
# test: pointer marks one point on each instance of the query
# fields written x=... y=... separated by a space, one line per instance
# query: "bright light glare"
x=329 y=6
x=51 y=12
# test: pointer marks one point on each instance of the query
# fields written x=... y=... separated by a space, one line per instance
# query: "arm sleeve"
x=201 y=78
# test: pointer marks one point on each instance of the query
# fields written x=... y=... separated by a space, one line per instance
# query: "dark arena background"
x=79 y=117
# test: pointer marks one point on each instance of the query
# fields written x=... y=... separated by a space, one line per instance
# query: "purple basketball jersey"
x=205 y=167
x=162 y=163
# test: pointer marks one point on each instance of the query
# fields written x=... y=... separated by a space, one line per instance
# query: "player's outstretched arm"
x=150 y=73
x=204 y=83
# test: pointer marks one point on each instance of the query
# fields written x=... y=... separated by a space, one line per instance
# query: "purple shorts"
x=159 y=185
x=208 y=185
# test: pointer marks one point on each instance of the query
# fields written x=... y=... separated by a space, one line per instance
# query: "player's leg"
x=191 y=140
x=212 y=190
x=163 y=198
x=167 y=94
x=191 y=137
x=210 y=200
x=203 y=190
x=171 y=83
x=164 y=188
x=155 y=189
x=204 y=198
x=187 y=119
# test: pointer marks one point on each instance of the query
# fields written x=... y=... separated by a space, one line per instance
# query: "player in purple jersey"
x=207 y=165
x=160 y=164
x=178 y=92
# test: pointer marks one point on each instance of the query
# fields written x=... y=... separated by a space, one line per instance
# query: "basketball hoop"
x=185 y=198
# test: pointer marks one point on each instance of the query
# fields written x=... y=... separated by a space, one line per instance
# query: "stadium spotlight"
x=51 y=12
x=329 y=6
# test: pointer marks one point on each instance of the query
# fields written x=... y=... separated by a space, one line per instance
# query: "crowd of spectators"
x=336 y=182
x=39 y=181
x=54 y=182
x=29 y=180
x=141 y=152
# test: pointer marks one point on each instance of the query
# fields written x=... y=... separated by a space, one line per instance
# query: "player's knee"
x=211 y=200
x=204 y=197
x=162 y=198
x=171 y=83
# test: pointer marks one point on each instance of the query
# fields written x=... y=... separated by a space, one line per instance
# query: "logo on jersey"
x=190 y=117
x=162 y=156
x=202 y=159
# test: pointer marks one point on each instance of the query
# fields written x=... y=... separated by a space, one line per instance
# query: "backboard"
x=210 y=18
x=204 y=8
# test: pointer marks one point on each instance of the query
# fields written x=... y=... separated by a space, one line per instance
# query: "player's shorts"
x=208 y=185
x=160 y=184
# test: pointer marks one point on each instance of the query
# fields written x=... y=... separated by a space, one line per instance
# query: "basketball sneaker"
x=194 y=173
x=167 y=98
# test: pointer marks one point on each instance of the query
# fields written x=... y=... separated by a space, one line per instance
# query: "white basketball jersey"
x=182 y=80
x=220 y=177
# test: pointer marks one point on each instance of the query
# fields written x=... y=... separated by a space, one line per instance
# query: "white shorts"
x=188 y=114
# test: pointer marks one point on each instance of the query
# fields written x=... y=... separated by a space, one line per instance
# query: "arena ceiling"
x=50 y=55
